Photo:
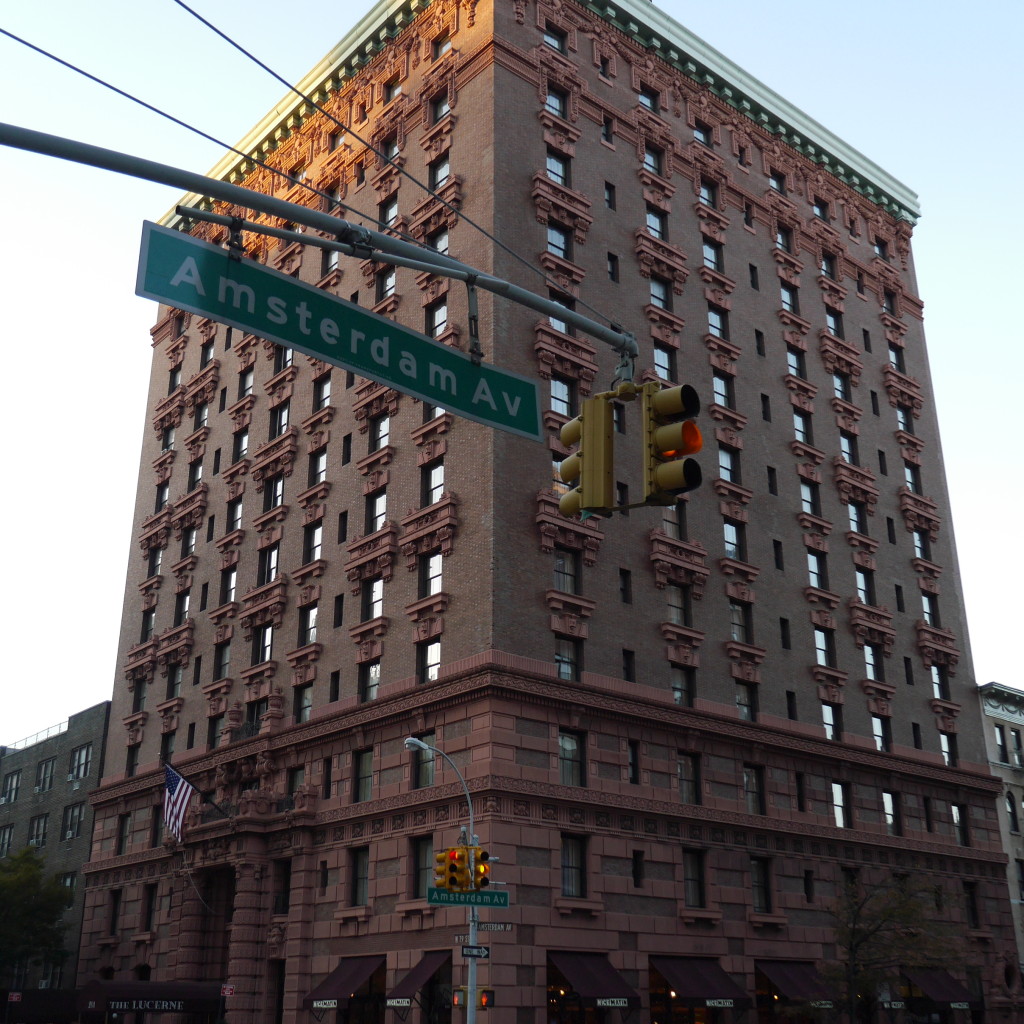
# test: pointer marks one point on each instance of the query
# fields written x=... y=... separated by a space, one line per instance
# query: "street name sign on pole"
x=480 y=952
x=442 y=898
x=190 y=274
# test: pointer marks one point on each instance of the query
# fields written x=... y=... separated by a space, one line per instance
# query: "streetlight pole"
x=414 y=743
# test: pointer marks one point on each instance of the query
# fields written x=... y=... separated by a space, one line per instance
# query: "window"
x=796 y=362
x=567 y=658
x=728 y=464
x=376 y=510
x=167 y=439
x=317 y=467
x=865 y=579
x=841 y=810
x=201 y=417
x=857 y=512
x=607 y=129
x=680 y=606
x=37 y=830
x=312 y=541
x=753 y=789
x=228 y=585
x=609 y=195
x=359 y=876
x=557 y=168
x=386 y=281
x=688 y=768
x=713 y=255
x=1011 y=813
x=693 y=878
x=664 y=362
x=761 y=885
x=819 y=207
x=810 y=498
x=262 y=644
x=362 y=775
x=233 y=519
x=657 y=223
x=175 y=676
x=940 y=682
x=307 y=624
x=896 y=358
x=784 y=239
x=683 y=680
x=240 y=445
x=828 y=266
x=268 y=566
x=563 y=396
x=922 y=545
x=881 y=732
x=649 y=98
x=834 y=322
x=777 y=181
x=613 y=267
x=6 y=839
x=422 y=773
x=735 y=538
x=904 y=419
x=718 y=322
x=832 y=720
x=912 y=477
x=558 y=324
x=221 y=660
x=387 y=212
x=654 y=159
x=430 y=581
x=123 y=836
x=440 y=171
x=574 y=875
x=961 y=828
x=372 y=598
x=825 y=647
x=80 y=763
x=790 y=298
x=707 y=193
x=369 y=680
x=881 y=248
x=440 y=108
x=302 y=698
x=556 y=102
x=555 y=38
x=431 y=482
x=567 y=570
x=380 y=432
x=703 y=133
x=12 y=783
x=802 y=428
x=45 y=770
x=279 y=419
x=723 y=390
x=741 y=622
x=571 y=748
x=428 y=661
x=746 y=702
x=438 y=241
x=163 y=493
x=848 y=449
x=559 y=241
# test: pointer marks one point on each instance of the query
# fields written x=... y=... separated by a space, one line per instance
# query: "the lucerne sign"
x=193 y=275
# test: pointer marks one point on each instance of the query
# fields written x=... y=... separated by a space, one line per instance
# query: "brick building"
x=45 y=782
x=682 y=729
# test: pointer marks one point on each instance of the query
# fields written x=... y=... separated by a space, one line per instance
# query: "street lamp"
x=414 y=743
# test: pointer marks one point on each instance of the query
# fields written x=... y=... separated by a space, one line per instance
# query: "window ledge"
x=766 y=920
x=417 y=906
x=352 y=914
x=572 y=905
x=692 y=915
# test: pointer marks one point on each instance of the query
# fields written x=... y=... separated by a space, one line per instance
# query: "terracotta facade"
x=679 y=729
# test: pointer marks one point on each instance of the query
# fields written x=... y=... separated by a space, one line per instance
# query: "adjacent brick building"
x=681 y=728
x=45 y=782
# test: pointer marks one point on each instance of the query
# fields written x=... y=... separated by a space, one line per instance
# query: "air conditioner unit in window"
x=77 y=785
x=71 y=777
x=44 y=983
x=37 y=789
x=69 y=835
x=3 y=799
x=35 y=842
x=1018 y=758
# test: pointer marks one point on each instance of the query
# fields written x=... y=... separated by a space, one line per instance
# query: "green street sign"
x=193 y=275
x=485 y=898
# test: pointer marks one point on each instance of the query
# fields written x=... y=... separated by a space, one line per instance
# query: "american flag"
x=177 y=793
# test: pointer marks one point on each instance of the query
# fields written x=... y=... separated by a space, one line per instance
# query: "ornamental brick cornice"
x=431 y=607
x=847 y=415
x=872 y=625
x=169 y=411
x=722 y=354
x=373 y=400
x=563 y=354
x=732 y=420
x=832 y=679
x=712 y=222
x=825 y=598
x=203 y=386
x=175 y=644
x=168 y=710
x=556 y=529
x=135 y=726
x=569 y=613
x=659 y=257
x=216 y=694
x=241 y=411
x=732 y=495
x=742 y=573
x=815 y=528
x=937 y=646
x=833 y=293
x=429 y=529
x=679 y=562
x=195 y=443
x=163 y=464
x=946 y=713
x=155 y=530
x=929 y=573
x=264 y=606
x=372 y=555
x=840 y=357
x=919 y=512
x=369 y=630
x=682 y=644
x=376 y=460
x=744 y=660
x=315 y=426
x=801 y=391
x=903 y=390
x=787 y=266
x=567 y=275
x=276 y=456
x=803 y=450
x=140 y=660
x=302 y=659
x=854 y=483
x=438 y=137
x=309 y=571
x=665 y=325
x=428 y=433
x=717 y=285
x=565 y=205
x=911 y=446
x=656 y=190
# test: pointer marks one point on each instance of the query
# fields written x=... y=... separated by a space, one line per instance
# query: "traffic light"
x=669 y=436
x=591 y=465
x=459 y=997
x=441 y=869
x=485 y=998
x=481 y=868
x=460 y=878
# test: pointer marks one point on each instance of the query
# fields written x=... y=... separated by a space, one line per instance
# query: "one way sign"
x=480 y=952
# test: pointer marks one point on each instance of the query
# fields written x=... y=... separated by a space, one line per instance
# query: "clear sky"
x=930 y=91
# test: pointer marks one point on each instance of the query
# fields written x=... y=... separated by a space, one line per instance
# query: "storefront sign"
x=399 y=1002
x=153 y=1005
x=613 y=1002
x=325 y=1004
x=822 y=1004
x=719 y=1002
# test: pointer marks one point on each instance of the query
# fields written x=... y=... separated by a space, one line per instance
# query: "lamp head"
x=412 y=743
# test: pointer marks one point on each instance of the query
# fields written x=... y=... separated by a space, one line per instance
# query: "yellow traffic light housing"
x=460 y=877
x=669 y=436
x=590 y=467
x=441 y=869
x=481 y=868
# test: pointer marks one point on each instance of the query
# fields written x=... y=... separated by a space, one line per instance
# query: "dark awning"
x=149 y=997
x=37 y=1005
x=797 y=982
x=336 y=989
x=411 y=984
x=940 y=987
x=699 y=982
x=593 y=978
